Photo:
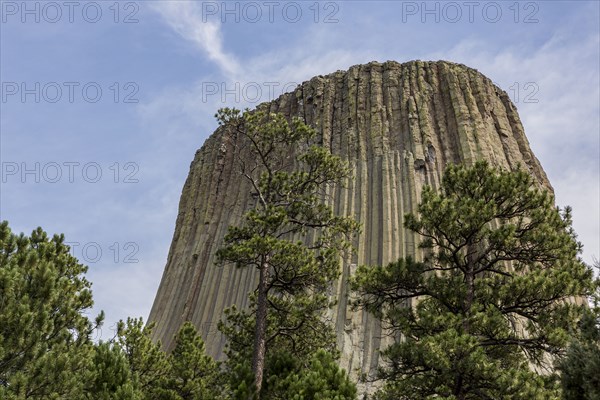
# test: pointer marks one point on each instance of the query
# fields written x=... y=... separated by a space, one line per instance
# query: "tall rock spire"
x=398 y=125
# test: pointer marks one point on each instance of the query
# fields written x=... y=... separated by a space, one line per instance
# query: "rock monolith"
x=398 y=125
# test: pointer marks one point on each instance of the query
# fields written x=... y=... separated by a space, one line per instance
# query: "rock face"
x=398 y=125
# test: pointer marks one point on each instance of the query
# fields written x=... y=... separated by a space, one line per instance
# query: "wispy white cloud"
x=168 y=127
x=562 y=124
x=561 y=108
x=561 y=117
x=185 y=18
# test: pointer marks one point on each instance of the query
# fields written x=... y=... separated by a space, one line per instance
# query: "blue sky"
x=105 y=103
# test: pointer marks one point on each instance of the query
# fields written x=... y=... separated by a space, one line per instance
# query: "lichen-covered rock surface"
x=398 y=125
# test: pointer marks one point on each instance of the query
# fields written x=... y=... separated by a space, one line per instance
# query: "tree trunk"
x=260 y=332
x=468 y=303
x=470 y=282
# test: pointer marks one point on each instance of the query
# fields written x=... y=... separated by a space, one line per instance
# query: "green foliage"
x=193 y=374
x=291 y=236
x=299 y=346
x=492 y=296
x=307 y=333
x=111 y=378
x=46 y=351
x=290 y=179
x=149 y=365
x=45 y=346
x=319 y=377
x=322 y=379
x=134 y=367
x=580 y=368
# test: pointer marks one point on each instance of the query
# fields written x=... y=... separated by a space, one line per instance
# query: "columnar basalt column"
x=398 y=125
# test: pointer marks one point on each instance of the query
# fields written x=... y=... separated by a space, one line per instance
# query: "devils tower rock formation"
x=398 y=125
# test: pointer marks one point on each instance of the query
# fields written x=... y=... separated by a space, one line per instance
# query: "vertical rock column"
x=398 y=125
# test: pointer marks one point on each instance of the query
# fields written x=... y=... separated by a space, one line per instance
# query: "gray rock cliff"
x=398 y=125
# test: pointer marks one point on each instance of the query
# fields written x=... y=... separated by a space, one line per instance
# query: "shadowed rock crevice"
x=398 y=125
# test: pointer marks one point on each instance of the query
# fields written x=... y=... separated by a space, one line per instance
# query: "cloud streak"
x=562 y=119
x=185 y=18
x=562 y=125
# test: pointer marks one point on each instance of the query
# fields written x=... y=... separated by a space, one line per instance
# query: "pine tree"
x=46 y=351
x=45 y=345
x=111 y=375
x=497 y=292
x=149 y=365
x=580 y=368
x=193 y=374
x=289 y=178
x=322 y=379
